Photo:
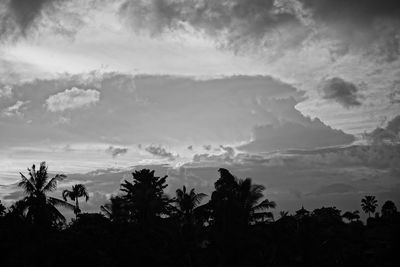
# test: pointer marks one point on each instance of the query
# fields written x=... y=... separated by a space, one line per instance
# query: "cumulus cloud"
x=15 y=109
x=161 y=152
x=6 y=91
x=341 y=91
x=286 y=135
x=116 y=151
x=72 y=99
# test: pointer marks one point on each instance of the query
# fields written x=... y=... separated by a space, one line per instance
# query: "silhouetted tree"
x=238 y=200
x=249 y=196
x=301 y=213
x=351 y=216
x=369 y=204
x=388 y=209
x=145 y=197
x=2 y=209
x=328 y=215
x=187 y=202
x=116 y=210
x=78 y=190
x=40 y=208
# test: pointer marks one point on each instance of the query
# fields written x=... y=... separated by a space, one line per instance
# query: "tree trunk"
x=77 y=210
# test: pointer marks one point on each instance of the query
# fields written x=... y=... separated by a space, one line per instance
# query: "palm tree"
x=40 y=209
x=369 y=204
x=249 y=196
x=78 y=190
x=187 y=202
x=237 y=201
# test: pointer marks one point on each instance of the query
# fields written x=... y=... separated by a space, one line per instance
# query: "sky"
x=303 y=96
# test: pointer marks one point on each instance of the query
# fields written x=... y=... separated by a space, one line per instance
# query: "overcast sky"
x=301 y=95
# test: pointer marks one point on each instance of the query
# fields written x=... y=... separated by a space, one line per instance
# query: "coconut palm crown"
x=37 y=206
x=78 y=190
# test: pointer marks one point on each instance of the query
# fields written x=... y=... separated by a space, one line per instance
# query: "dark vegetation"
x=142 y=226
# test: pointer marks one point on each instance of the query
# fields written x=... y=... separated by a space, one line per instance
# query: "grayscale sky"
x=301 y=95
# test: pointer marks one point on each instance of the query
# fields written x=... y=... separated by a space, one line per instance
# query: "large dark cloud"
x=341 y=91
x=239 y=24
x=26 y=18
x=233 y=23
x=17 y=17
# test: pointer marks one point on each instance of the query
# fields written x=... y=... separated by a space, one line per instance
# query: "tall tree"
x=145 y=196
x=369 y=204
x=41 y=209
x=388 y=209
x=237 y=201
x=78 y=190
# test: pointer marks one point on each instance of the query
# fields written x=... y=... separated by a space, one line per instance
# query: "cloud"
x=15 y=109
x=231 y=23
x=227 y=155
x=341 y=91
x=286 y=135
x=116 y=151
x=387 y=135
x=161 y=152
x=339 y=188
x=18 y=16
x=184 y=110
x=394 y=96
x=72 y=99
x=207 y=147
x=243 y=25
x=21 y=19
x=6 y=91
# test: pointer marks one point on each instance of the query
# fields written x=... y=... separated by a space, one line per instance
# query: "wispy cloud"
x=116 y=151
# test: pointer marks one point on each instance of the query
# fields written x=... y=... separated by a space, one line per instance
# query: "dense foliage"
x=142 y=226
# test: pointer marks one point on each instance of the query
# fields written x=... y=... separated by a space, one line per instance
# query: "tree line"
x=144 y=226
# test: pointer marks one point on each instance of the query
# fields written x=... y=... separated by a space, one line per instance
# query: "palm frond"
x=26 y=184
x=52 y=184
x=59 y=202
x=265 y=204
